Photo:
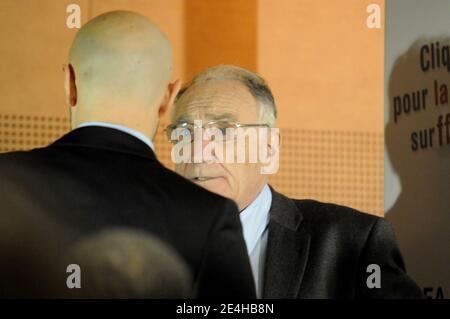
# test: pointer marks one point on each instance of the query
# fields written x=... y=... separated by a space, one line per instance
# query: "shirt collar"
x=122 y=128
x=255 y=218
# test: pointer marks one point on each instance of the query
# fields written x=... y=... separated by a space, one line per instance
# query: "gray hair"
x=127 y=263
x=252 y=81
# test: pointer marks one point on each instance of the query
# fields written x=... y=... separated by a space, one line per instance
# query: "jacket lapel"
x=287 y=249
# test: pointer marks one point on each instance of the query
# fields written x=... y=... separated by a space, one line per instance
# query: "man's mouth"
x=202 y=178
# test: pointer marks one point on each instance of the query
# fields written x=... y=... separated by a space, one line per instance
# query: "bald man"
x=104 y=173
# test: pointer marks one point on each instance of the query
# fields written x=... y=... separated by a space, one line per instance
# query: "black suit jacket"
x=318 y=250
x=95 y=178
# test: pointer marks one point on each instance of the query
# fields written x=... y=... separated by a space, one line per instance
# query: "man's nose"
x=203 y=143
x=206 y=142
x=210 y=154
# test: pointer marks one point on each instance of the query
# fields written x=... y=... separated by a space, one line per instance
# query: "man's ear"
x=70 y=85
x=171 y=93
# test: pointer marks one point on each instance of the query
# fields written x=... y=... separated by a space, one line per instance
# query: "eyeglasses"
x=220 y=130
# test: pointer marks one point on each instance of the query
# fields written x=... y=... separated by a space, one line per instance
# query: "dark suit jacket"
x=318 y=250
x=95 y=178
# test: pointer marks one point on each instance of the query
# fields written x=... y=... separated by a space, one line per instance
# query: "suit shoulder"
x=22 y=154
x=16 y=158
x=27 y=159
x=194 y=195
x=5 y=157
x=345 y=226
x=330 y=213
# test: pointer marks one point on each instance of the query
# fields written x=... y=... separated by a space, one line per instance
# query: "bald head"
x=121 y=64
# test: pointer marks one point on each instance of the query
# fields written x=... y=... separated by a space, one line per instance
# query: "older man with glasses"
x=297 y=248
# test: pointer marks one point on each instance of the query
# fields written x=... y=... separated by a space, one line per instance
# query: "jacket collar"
x=105 y=139
x=287 y=249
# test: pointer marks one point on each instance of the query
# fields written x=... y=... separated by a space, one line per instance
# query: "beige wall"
x=220 y=32
x=325 y=68
x=324 y=65
x=35 y=44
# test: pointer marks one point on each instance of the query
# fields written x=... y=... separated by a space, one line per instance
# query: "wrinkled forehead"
x=217 y=100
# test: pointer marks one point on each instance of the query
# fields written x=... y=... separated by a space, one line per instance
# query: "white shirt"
x=255 y=221
x=122 y=128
